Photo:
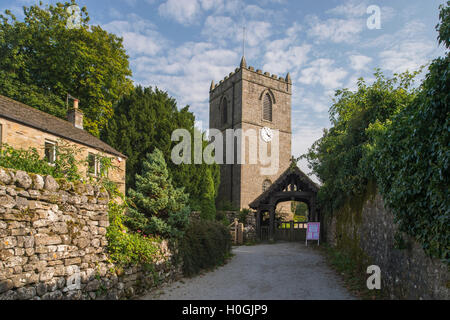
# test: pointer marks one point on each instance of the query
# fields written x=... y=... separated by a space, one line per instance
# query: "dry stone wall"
x=53 y=243
x=406 y=273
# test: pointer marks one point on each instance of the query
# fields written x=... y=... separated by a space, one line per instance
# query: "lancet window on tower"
x=224 y=109
x=267 y=107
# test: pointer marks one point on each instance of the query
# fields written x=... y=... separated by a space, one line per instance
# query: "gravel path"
x=281 y=271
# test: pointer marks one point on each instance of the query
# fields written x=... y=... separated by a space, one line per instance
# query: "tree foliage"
x=341 y=157
x=412 y=156
x=157 y=206
x=42 y=60
x=144 y=121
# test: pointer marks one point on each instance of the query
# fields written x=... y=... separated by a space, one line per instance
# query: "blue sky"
x=181 y=45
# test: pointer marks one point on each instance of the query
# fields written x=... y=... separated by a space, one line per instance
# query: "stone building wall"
x=405 y=273
x=53 y=243
x=23 y=137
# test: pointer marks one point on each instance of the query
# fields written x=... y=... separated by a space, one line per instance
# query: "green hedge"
x=205 y=245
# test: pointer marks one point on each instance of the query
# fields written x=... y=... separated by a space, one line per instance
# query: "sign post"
x=313 y=232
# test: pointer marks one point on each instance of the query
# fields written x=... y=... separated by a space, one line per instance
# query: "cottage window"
x=50 y=151
x=92 y=164
x=95 y=166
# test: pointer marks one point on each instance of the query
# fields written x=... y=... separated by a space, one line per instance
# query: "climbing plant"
x=412 y=155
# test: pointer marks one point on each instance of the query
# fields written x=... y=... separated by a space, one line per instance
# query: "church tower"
x=248 y=99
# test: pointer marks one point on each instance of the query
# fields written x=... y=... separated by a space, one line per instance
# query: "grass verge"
x=353 y=274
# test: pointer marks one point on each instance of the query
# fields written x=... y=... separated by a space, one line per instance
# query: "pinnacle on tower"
x=212 y=86
x=288 y=78
x=243 y=62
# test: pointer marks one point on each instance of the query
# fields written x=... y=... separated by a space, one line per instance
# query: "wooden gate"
x=264 y=235
x=290 y=231
x=237 y=232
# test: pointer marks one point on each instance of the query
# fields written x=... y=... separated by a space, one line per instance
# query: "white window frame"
x=53 y=143
x=97 y=165
x=96 y=171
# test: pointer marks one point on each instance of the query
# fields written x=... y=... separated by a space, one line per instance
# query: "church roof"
x=280 y=184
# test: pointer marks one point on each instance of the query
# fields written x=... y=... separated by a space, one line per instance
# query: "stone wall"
x=407 y=273
x=53 y=243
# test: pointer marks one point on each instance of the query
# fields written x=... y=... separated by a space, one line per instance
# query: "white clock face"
x=266 y=134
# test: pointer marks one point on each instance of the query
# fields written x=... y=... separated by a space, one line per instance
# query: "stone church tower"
x=249 y=99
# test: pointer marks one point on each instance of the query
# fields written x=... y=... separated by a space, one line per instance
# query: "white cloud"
x=210 y=4
x=335 y=30
x=286 y=60
x=359 y=62
x=216 y=25
x=407 y=55
x=350 y=9
x=184 y=12
x=186 y=73
x=321 y=71
x=139 y=36
x=406 y=49
x=224 y=31
x=256 y=33
x=358 y=9
x=189 y=12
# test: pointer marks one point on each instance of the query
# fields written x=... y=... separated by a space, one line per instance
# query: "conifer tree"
x=158 y=207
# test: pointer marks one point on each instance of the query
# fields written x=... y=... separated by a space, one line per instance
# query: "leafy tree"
x=158 y=207
x=43 y=60
x=412 y=156
x=144 y=120
x=300 y=211
x=341 y=157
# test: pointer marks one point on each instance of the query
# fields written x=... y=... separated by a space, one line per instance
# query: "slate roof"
x=32 y=117
x=280 y=183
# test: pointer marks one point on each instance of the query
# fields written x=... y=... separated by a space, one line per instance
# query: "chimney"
x=75 y=115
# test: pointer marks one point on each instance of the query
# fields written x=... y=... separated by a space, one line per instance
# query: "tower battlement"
x=284 y=80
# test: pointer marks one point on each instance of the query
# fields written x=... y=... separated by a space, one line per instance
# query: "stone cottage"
x=24 y=127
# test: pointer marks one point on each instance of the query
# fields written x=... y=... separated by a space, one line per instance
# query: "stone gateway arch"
x=292 y=185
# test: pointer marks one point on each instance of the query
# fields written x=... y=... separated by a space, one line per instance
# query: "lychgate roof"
x=26 y=115
x=293 y=175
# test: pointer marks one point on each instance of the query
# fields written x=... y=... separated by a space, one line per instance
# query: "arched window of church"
x=266 y=185
x=267 y=107
x=224 y=111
